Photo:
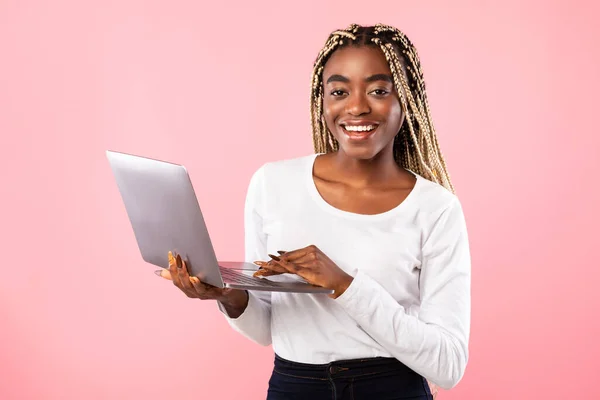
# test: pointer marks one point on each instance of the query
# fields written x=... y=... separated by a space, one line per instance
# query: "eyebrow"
x=372 y=78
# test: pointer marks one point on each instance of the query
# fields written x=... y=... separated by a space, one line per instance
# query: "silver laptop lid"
x=164 y=213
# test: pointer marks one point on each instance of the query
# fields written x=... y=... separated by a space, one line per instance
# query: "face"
x=360 y=105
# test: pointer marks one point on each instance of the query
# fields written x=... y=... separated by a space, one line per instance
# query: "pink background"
x=223 y=88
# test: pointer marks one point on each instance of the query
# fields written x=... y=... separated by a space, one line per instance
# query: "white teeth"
x=354 y=128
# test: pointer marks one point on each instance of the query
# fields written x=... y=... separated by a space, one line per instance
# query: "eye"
x=380 y=92
x=338 y=93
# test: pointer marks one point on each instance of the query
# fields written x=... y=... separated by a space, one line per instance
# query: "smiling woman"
x=372 y=217
x=358 y=84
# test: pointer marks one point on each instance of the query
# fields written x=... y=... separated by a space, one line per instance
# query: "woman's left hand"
x=311 y=264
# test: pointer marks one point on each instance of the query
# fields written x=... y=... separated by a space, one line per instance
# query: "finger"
x=276 y=258
x=206 y=290
x=270 y=266
x=295 y=254
x=305 y=271
x=306 y=266
x=184 y=276
x=173 y=271
x=266 y=272
x=289 y=267
x=270 y=269
x=163 y=273
x=200 y=287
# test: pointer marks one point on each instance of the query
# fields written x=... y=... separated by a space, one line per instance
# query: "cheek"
x=328 y=107
x=330 y=112
x=395 y=115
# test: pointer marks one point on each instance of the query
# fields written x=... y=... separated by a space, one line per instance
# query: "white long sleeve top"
x=410 y=297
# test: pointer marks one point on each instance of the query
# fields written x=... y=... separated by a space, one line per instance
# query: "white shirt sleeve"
x=434 y=344
x=255 y=321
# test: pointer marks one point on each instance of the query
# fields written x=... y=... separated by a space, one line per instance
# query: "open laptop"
x=165 y=216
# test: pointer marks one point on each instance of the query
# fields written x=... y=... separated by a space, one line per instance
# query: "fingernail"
x=179 y=263
x=281 y=252
x=260 y=263
x=274 y=257
x=158 y=272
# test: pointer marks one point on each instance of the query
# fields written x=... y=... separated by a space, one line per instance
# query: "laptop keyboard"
x=232 y=276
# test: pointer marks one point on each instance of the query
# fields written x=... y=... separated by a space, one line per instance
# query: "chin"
x=359 y=152
x=361 y=149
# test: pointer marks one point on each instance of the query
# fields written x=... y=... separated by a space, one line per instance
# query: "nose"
x=357 y=104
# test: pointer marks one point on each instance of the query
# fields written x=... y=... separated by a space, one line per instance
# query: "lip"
x=358 y=136
x=357 y=122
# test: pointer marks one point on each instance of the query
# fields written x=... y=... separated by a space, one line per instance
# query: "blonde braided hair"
x=415 y=146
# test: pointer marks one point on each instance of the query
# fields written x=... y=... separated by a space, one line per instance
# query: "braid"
x=415 y=146
x=323 y=139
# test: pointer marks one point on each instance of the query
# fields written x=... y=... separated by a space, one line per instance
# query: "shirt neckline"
x=314 y=193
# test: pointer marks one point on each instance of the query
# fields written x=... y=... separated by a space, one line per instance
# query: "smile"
x=364 y=128
x=359 y=132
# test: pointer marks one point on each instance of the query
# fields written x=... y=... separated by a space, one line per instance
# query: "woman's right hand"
x=193 y=288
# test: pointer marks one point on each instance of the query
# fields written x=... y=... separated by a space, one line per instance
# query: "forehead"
x=356 y=62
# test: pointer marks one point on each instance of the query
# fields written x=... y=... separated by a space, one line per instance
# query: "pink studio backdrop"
x=224 y=87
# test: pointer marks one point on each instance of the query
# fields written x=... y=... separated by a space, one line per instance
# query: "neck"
x=366 y=172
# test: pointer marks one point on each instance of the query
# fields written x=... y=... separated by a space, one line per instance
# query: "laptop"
x=165 y=216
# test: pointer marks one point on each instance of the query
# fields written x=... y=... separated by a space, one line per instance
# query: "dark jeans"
x=371 y=378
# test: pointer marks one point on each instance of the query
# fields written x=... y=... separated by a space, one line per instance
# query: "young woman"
x=372 y=215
